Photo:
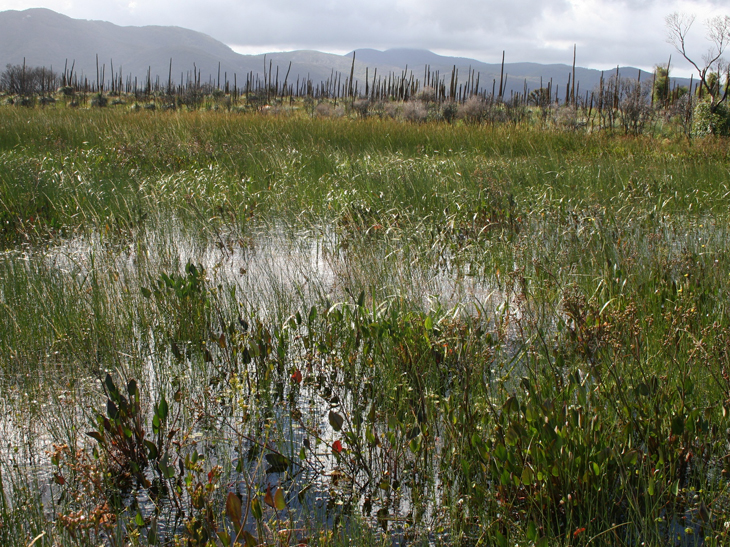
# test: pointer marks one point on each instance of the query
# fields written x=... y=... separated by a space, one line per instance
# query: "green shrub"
x=709 y=122
x=99 y=101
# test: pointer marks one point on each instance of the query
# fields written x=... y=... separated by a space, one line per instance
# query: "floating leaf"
x=163 y=409
x=268 y=497
x=152 y=532
x=110 y=387
x=527 y=476
x=278 y=463
x=336 y=420
x=312 y=314
x=279 y=501
x=152 y=450
x=111 y=410
x=233 y=510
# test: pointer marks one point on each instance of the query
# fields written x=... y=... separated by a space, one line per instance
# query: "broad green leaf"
x=256 y=509
x=152 y=450
x=677 y=425
x=249 y=540
x=279 y=501
x=152 y=532
x=163 y=409
x=336 y=420
x=225 y=538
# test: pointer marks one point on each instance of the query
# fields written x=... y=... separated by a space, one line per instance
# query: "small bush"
x=427 y=95
x=415 y=111
x=474 y=110
x=566 y=117
x=323 y=110
x=449 y=111
x=99 y=101
x=708 y=122
x=361 y=107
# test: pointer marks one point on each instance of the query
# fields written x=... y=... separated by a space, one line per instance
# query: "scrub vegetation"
x=223 y=327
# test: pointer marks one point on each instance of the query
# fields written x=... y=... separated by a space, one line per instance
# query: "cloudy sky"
x=606 y=32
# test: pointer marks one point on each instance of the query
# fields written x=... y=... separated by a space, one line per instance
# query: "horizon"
x=606 y=33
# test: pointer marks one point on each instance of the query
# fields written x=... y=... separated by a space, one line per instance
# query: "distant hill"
x=43 y=37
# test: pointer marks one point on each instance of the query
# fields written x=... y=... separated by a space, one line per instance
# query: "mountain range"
x=41 y=37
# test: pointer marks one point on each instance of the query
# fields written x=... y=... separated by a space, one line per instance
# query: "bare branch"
x=718 y=33
x=678 y=25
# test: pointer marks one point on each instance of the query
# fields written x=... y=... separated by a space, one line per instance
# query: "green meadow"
x=223 y=328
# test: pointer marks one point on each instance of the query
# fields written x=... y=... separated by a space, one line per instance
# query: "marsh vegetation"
x=290 y=329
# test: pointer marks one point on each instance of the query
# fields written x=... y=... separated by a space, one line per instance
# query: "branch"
x=678 y=26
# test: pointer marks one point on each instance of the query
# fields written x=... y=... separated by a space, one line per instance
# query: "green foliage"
x=661 y=91
x=360 y=332
x=711 y=119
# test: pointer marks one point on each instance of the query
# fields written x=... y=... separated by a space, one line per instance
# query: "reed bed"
x=260 y=329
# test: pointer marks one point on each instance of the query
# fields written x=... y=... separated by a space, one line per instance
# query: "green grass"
x=517 y=335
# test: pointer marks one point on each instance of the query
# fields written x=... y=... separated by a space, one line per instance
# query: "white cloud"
x=606 y=32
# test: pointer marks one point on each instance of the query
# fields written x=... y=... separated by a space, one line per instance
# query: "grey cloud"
x=619 y=31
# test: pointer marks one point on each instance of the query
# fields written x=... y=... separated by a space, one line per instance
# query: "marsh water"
x=270 y=275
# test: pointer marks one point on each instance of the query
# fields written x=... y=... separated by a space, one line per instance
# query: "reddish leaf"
x=269 y=498
x=233 y=509
x=337 y=447
x=297 y=376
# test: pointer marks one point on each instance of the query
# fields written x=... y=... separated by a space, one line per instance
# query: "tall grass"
x=486 y=335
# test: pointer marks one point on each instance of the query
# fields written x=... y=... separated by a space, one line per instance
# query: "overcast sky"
x=607 y=32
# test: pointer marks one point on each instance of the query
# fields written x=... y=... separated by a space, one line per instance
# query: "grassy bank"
x=359 y=331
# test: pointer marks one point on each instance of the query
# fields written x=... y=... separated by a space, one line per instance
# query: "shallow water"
x=272 y=272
